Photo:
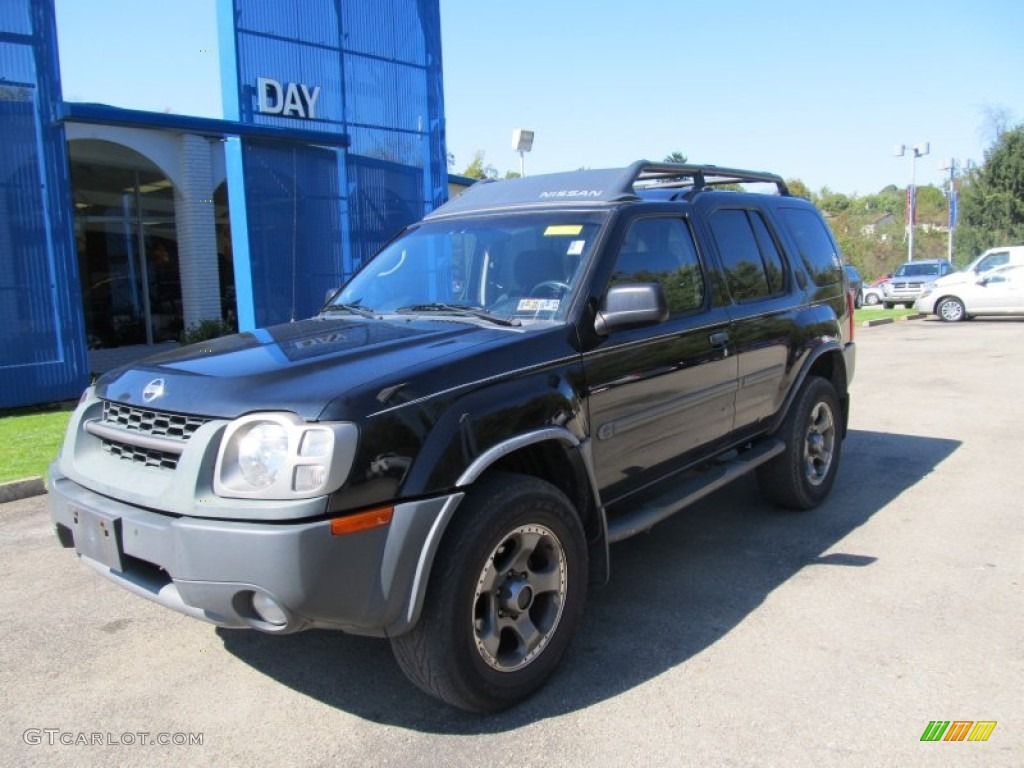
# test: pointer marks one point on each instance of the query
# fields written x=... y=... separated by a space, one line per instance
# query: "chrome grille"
x=139 y=455
x=136 y=425
x=177 y=426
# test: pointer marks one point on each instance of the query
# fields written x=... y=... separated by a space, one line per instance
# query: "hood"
x=956 y=278
x=297 y=367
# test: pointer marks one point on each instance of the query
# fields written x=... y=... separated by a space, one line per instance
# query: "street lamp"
x=916 y=151
x=522 y=142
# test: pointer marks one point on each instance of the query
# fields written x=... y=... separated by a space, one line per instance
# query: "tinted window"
x=750 y=257
x=769 y=253
x=817 y=249
x=992 y=261
x=921 y=270
x=661 y=250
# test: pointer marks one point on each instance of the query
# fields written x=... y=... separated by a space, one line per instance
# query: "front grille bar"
x=149 y=442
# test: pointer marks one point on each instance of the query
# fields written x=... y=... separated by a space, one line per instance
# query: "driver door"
x=658 y=392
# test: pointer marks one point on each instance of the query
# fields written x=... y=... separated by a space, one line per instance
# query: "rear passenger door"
x=658 y=392
x=759 y=284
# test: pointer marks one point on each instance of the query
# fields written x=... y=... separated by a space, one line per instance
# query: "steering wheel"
x=554 y=284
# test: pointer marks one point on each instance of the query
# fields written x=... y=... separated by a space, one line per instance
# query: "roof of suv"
x=643 y=180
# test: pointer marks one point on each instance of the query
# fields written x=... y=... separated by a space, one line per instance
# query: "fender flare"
x=598 y=548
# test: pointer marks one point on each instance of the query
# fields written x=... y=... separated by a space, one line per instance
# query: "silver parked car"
x=872 y=295
x=909 y=279
x=998 y=292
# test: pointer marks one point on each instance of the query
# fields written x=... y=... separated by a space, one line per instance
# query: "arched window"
x=127 y=246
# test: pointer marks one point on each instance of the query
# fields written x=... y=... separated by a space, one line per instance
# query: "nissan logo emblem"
x=153 y=390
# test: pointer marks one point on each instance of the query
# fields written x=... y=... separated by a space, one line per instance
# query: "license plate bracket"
x=98 y=536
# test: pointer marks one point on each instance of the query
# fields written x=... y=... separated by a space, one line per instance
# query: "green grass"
x=878 y=312
x=29 y=442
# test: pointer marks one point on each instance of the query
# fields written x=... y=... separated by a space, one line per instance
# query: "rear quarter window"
x=818 y=250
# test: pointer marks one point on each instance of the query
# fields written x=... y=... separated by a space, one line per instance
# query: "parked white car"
x=989 y=260
x=999 y=291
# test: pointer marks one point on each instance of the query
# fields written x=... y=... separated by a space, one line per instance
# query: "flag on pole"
x=911 y=206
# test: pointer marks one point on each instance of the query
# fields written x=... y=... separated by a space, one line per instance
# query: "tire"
x=871 y=299
x=802 y=476
x=951 y=309
x=505 y=597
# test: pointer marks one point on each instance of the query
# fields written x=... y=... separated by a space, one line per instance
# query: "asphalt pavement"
x=733 y=634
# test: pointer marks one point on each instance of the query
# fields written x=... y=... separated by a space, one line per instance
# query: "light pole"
x=916 y=151
x=522 y=142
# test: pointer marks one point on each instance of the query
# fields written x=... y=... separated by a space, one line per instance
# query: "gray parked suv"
x=909 y=279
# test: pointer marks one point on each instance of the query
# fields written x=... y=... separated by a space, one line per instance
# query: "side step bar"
x=691 y=490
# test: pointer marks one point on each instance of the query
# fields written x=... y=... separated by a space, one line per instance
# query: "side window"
x=661 y=250
x=769 y=254
x=817 y=249
x=750 y=257
x=992 y=261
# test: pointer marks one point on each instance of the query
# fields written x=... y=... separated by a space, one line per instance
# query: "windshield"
x=516 y=267
x=917 y=270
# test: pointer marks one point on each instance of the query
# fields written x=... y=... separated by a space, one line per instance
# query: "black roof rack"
x=609 y=185
x=696 y=177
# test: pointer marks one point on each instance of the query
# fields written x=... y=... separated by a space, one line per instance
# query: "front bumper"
x=371 y=582
x=926 y=303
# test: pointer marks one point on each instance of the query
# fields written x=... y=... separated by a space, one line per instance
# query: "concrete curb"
x=22 y=489
x=888 y=320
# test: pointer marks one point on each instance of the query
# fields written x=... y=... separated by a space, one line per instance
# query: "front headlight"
x=279 y=456
x=262 y=453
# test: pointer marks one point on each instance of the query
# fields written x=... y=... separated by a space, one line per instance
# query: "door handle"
x=719 y=339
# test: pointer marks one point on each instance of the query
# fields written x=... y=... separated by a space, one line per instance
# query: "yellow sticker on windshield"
x=563 y=229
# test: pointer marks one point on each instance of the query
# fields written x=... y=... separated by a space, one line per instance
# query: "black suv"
x=538 y=369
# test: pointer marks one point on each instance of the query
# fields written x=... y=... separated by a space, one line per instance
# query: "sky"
x=817 y=91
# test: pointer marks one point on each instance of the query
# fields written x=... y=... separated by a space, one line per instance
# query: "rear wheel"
x=802 y=476
x=506 y=595
x=951 y=309
x=871 y=299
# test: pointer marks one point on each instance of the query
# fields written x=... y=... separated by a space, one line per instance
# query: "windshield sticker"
x=575 y=248
x=538 y=305
x=563 y=229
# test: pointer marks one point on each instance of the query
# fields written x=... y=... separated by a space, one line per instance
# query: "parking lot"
x=733 y=634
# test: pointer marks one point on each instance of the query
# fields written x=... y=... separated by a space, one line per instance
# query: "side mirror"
x=629 y=305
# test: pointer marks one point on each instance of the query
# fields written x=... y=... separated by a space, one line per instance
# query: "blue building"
x=120 y=228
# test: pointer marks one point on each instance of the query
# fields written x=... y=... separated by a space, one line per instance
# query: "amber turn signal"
x=364 y=521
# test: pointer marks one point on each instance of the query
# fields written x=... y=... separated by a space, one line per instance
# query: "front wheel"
x=802 y=476
x=951 y=310
x=505 y=597
x=871 y=299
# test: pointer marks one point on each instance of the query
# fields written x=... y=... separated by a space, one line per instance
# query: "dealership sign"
x=286 y=99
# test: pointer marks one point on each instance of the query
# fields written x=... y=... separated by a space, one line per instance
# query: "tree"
x=798 y=189
x=675 y=157
x=992 y=200
x=477 y=170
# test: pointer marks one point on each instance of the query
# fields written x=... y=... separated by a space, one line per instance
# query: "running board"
x=691 y=490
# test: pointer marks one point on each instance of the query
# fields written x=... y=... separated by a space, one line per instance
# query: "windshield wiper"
x=460 y=310
x=355 y=309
